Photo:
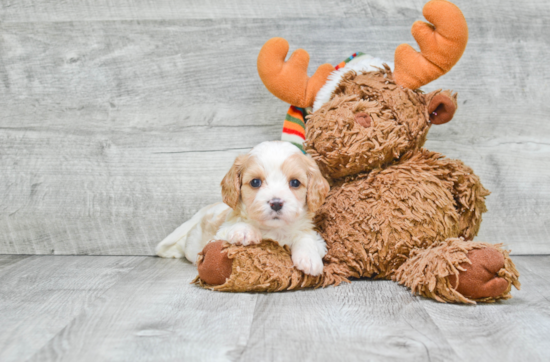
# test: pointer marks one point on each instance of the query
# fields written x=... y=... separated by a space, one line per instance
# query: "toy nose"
x=276 y=204
x=363 y=119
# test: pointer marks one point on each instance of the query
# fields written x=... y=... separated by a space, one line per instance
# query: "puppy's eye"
x=295 y=183
x=256 y=183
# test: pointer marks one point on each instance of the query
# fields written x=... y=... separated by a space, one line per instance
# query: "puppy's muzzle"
x=276 y=204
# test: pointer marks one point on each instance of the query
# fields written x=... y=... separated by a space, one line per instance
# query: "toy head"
x=365 y=115
x=370 y=121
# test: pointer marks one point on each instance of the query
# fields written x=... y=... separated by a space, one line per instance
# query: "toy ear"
x=317 y=186
x=231 y=183
x=442 y=107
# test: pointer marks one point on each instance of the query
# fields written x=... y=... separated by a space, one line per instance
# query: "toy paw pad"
x=213 y=264
x=480 y=279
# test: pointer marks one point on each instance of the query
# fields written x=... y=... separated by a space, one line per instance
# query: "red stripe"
x=294 y=112
x=342 y=64
x=291 y=131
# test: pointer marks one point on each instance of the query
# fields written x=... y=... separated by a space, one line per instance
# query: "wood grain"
x=518 y=327
x=47 y=10
x=155 y=314
x=119 y=119
x=108 y=308
x=365 y=320
x=7 y=261
x=39 y=296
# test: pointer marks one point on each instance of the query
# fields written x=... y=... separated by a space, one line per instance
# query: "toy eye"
x=295 y=183
x=256 y=183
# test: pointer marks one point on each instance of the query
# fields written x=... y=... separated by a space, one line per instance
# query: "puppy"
x=270 y=193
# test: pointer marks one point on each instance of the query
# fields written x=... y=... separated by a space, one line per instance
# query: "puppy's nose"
x=276 y=204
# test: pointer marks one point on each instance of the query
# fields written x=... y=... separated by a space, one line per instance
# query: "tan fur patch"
x=295 y=168
x=231 y=183
x=251 y=170
x=305 y=170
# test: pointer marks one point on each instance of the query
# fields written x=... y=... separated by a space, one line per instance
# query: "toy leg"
x=469 y=195
x=265 y=267
x=460 y=271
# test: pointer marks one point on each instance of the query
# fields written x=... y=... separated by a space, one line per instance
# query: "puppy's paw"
x=243 y=234
x=308 y=261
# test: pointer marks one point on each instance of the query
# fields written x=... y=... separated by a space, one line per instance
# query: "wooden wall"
x=118 y=119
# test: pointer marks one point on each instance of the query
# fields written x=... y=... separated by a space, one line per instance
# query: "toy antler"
x=441 y=45
x=288 y=80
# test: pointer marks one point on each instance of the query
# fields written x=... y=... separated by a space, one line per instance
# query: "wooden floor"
x=123 y=308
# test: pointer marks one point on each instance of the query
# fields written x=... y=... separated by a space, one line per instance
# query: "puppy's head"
x=274 y=184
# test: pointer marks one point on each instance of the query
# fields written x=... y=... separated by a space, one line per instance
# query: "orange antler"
x=288 y=80
x=441 y=45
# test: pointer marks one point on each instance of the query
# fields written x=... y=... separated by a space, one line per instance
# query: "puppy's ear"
x=231 y=183
x=317 y=186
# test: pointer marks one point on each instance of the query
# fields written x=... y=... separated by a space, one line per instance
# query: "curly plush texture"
x=427 y=271
x=399 y=117
x=265 y=267
x=372 y=221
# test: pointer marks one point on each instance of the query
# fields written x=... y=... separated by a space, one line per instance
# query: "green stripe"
x=295 y=120
x=299 y=146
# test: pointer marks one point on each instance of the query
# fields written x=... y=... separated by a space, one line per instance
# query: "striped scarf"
x=294 y=126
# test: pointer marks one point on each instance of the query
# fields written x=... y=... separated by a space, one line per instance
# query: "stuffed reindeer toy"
x=395 y=210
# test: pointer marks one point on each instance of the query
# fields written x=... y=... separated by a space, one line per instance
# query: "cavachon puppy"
x=272 y=192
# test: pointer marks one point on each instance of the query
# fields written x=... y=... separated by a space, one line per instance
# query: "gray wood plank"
x=47 y=10
x=40 y=296
x=99 y=118
x=513 y=330
x=365 y=320
x=135 y=196
x=7 y=261
x=379 y=320
x=155 y=314
x=537 y=273
x=117 y=207
x=144 y=309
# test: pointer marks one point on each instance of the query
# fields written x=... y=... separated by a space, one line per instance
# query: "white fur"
x=365 y=63
x=176 y=246
x=292 y=225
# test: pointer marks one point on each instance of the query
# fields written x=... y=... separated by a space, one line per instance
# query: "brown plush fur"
x=395 y=210
x=427 y=271
x=265 y=267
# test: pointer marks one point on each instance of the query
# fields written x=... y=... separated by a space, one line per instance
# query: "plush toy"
x=395 y=210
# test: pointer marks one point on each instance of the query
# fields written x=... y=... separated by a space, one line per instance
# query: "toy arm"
x=469 y=195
